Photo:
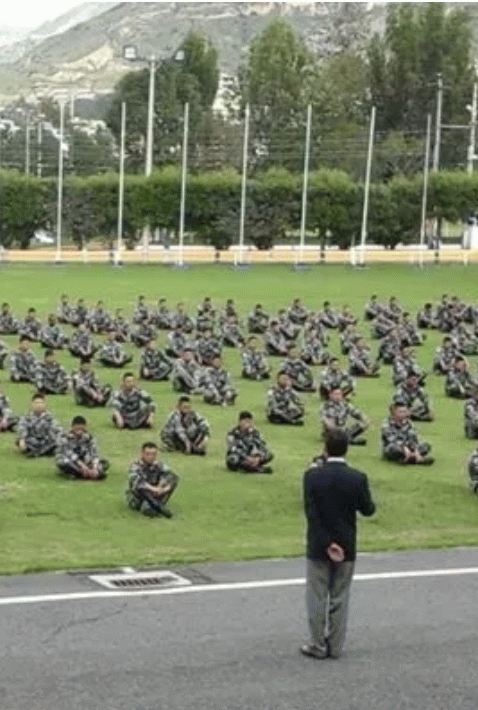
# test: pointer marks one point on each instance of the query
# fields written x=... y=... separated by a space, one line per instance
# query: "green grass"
x=47 y=523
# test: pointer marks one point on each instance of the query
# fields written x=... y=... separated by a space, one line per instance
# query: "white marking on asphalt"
x=229 y=586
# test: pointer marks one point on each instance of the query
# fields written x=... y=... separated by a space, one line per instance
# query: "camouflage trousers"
x=395 y=452
x=83 y=399
x=150 y=505
x=71 y=473
x=39 y=447
x=471 y=429
x=213 y=395
x=137 y=419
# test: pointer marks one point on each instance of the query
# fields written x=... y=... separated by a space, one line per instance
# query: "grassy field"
x=48 y=523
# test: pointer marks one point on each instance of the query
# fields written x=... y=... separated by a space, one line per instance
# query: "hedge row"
x=273 y=207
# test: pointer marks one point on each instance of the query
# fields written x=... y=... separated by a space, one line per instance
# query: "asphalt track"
x=232 y=643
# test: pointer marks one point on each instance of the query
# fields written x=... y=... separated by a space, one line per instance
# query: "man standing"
x=333 y=493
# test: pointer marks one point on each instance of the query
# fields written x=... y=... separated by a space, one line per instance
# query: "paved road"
x=412 y=642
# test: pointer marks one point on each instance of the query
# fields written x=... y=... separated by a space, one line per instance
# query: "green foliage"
x=23 y=208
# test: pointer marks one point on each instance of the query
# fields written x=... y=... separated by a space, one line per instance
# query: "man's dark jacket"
x=333 y=493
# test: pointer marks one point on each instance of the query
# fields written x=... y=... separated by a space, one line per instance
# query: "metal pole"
x=363 y=235
x=305 y=183
x=27 y=147
x=244 y=183
x=119 y=244
x=471 y=147
x=148 y=166
x=436 y=147
x=60 y=183
x=425 y=189
x=183 y=185
x=39 y=149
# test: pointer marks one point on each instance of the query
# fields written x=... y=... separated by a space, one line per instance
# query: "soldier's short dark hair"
x=149 y=445
x=78 y=420
x=336 y=442
x=184 y=398
x=333 y=359
x=23 y=338
x=32 y=310
x=85 y=361
x=428 y=305
x=5 y=305
x=245 y=415
x=258 y=305
x=128 y=374
x=326 y=304
x=38 y=395
x=49 y=352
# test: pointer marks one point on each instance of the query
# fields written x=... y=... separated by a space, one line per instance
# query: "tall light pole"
x=474 y=107
x=119 y=243
x=436 y=147
x=368 y=172
x=425 y=189
x=59 y=207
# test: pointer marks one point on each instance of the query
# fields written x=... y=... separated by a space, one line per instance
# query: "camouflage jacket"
x=471 y=410
x=340 y=412
x=216 y=379
x=72 y=449
x=257 y=321
x=51 y=376
x=8 y=324
x=253 y=362
x=99 y=320
x=208 y=348
x=111 y=351
x=64 y=312
x=177 y=342
x=24 y=365
x=296 y=369
x=141 y=314
x=39 y=428
x=394 y=435
x=360 y=359
x=459 y=381
x=332 y=380
x=121 y=327
x=446 y=356
x=155 y=361
x=52 y=336
x=30 y=328
x=5 y=407
x=232 y=334
x=275 y=341
x=185 y=427
x=183 y=320
x=412 y=398
x=242 y=444
x=189 y=372
x=140 y=473
x=163 y=318
x=132 y=401
x=82 y=343
x=281 y=400
x=85 y=382
x=297 y=314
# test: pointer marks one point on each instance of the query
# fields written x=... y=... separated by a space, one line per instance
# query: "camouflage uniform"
x=426 y=319
x=471 y=418
x=382 y=326
x=396 y=438
x=182 y=429
x=348 y=339
x=51 y=378
x=52 y=337
x=3 y=354
x=204 y=321
x=254 y=365
x=121 y=329
x=157 y=365
x=329 y=318
x=140 y=473
x=284 y=406
x=23 y=367
x=388 y=349
x=257 y=321
x=345 y=320
x=403 y=367
x=416 y=400
x=459 y=384
x=99 y=320
x=134 y=406
x=217 y=387
x=79 y=314
x=409 y=334
x=297 y=314
x=143 y=335
x=336 y=380
x=241 y=445
x=300 y=374
x=6 y=413
x=372 y=310
x=473 y=471
x=444 y=359
x=8 y=323
x=141 y=314
x=313 y=352
x=231 y=334
x=177 y=341
x=30 y=328
x=64 y=313
x=275 y=342
x=40 y=433
x=182 y=320
x=84 y=384
x=113 y=355
x=208 y=349
x=465 y=342
x=340 y=414
x=72 y=449
x=289 y=330
x=82 y=345
x=186 y=376
x=361 y=363
x=162 y=318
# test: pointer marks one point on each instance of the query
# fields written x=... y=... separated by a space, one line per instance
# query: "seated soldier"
x=471 y=415
x=400 y=442
x=82 y=344
x=337 y=413
x=3 y=354
x=300 y=374
x=254 y=363
x=283 y=403
x=24 y=363
x=216 y=384
x=31 y=326
x=154 y=365
x=346 y=319
x=185 y=430
x=186 y=373
x=409 y=333
x=229 y=312
x=231 y=332
x=207 y=307
x=141 y=312
x=99 y=320
x=180 y=318
x=51 y=336
x=206 y=316
x=7 y=420
x=445 y=356
x=425 y=317
x=334 y=378
x=162 y=318
x=208 y=348
x=87 y=389
x=258 y=320
x=473 y=471
x=64 y=310
x=405 y=365
x=361 y=363
x=393 y=310
x=382 y=325
x=133 y=408
x=51 y=377
x=274 y=340
x=38 y=431
x=459 y=383
x=112 y=354
x=77 y=454
x=297 y=312
x=314 y=352
x=348 y=339
x=247 y=450
x=79 y=314
x=289 y=330
x=143 y=334
x=328 y=316
x=8 y=322
x=120 y=326
x=372 y=309
x=411 y=395
x=150 y=483
x=389 y=347
x=464 y=340
x=177 y=341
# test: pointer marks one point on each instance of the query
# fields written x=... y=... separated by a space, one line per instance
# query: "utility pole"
x=474 y=106
x=39 y=149
x=149 y=128
x=436 y=147
x=27 y=147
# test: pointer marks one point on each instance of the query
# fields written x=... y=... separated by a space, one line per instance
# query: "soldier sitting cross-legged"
x=150 y=483
x=400 y=442
x=7 y=420
x=133 y=408
x=283 y=403
x=38 y=431
x=338 y=413
x=246 y=449
x=51 y=377
x=87 y=389
x=185 y=430
x=77 y=454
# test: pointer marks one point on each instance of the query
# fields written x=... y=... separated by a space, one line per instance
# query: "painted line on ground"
x=228 y=586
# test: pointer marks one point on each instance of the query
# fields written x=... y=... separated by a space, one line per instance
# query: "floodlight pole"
x=27 y=147
x=148 y=166
x=363 y=235
x=182 y=207
x=244 y=183
x=119 y=243
x=436 y=147
x=474 y=106
x=425 y=189
x=60 y=183
x=305 y=183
